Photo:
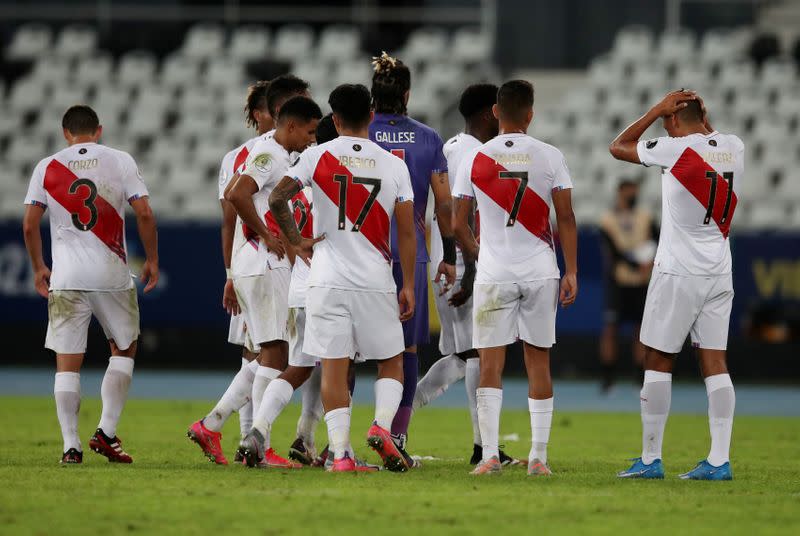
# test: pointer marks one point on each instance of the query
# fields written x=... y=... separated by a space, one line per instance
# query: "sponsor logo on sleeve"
x=650 y=144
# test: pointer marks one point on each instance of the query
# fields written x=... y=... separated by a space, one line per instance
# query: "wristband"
x=449 y=249
x=228 y=273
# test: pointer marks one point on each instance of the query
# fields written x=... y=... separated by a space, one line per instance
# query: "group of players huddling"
x=323 y=238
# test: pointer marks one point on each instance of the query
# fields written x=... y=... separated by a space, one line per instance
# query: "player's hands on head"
x=41 y=280
x=569 y=290
x=448 y=271
x=463 y=294
x=305 y=250
x=407 y=303
x=149 y=275
x=274 y=244
x=674 y=101
x=229 y=300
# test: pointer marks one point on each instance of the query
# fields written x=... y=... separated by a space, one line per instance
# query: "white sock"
x=490 y=400
x=312 y=410
x=388 y=393
x=67 y=391
x=471 y=381
x=263 y=376
x=721 y=403
x=444 y=373
x=277 y=394
x=541 y=420
x=655 y=397
x=114 y=392
x=237 y=394
x=246 y=411
x=338 y=421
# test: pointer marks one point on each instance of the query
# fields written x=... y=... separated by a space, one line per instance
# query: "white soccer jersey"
x=512 y=177
x=455 y=150
x=701 y=177
x=302 y=207
x=266 y=164
x=85 y=186
x=233 y=162
x=355 y=186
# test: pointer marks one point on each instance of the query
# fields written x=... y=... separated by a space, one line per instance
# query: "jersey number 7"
x=523 y=183
x=343 y=188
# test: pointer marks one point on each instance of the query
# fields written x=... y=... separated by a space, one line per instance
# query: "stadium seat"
x=293 y=41
x=195 y=124
x=249 y=42
x=51 y=71
x=26 y=95
x=24 y=149
x=316 y=73
x=64 y=97
x=338 y=42
x=199 y=100
x=144 y=121
x=136 y=68
x=221 y=73
x=110 y=100
x=178 y=70
x=30 y=41
x=203 y=41
x=676 y=46
x=154 y=98
x=75 y=42
x=471 y=45
x=423 y=45
x=736 y=76
x=632 y=43
x=356 y=71
x=768 y=215
x=717 y=46
x=94 y=70
x=788 y=104
x=777 y=74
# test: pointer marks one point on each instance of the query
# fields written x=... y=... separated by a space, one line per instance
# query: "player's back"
x=702 y=175
x=512 y=178
x=420 y=147
x=86 y=186
x=355 y=187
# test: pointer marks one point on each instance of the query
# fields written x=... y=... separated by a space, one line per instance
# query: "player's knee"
x=130 y=351
x=658 y=360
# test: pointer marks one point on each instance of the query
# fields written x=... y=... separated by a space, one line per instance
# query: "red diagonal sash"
x=110 y=227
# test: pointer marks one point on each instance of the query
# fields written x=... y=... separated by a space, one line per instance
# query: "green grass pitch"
x=172 y=489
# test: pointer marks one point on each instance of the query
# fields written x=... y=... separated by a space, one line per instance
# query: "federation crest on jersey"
x=263 y=162
x=223 y=176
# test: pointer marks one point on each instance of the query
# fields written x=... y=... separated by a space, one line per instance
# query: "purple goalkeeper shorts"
x=416 y=330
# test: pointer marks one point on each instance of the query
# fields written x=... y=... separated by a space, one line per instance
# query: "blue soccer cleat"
x=639 y=469
x=706 y=471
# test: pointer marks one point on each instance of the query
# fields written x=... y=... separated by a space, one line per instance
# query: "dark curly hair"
x=390 y=81
x=256 y=100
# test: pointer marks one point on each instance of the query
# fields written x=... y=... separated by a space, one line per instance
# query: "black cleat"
x=322 y=459
x=505 y=459
x=238 y=458
x=300 y=453
x=252 y=448
x=477 y=455
x=400 y=441
x=72 y=456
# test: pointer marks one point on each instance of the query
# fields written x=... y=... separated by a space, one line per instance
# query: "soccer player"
x=691 y=290
x=264 y=101
x=420 y=147
x=262 y=281
x=455 y=306
x=513 y=179
x=86 y=186
x=351 y=305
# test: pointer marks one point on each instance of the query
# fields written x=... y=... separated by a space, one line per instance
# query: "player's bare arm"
x=240 y=194
x=568 y=234
x=407 y=244
x=462 y=295
x=463 y=231
x=146 y=224
x=624 y=146
x=443 y=207
x=229 y=301
x=279 y=206
x=31 y=229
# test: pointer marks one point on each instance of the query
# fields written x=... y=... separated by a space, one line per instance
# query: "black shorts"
x=624 y=304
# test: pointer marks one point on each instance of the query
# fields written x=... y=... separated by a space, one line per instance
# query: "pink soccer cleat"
x=272 y=460
x=208 y=441
x=349 y=465
x=488 y=467
x=380 y=440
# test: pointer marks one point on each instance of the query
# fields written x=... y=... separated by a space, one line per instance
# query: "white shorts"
x=264 y=300
x=237 y=334
x=70 y=312
x=680 y=305
x=342 y=323
x=297 y=328
x=505 y=312
x=455 y=336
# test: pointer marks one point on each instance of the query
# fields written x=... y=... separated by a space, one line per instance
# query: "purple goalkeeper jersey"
x=421 y=149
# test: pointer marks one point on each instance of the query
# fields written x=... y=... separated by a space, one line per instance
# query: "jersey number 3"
x=88 y=202
x=343 y=187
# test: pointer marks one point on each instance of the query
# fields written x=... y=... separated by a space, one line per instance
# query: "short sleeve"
x=36 y=193
x=439 y=160
x=405 y=192
x=132 y=179
x=462 y=187
x=259 y=165
x=561 y=176
x=302 y=169
x=224 y=177
x=656 y=152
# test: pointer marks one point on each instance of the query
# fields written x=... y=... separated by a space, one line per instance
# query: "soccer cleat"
x=208 y=441
x=272 y=460
x=348 y=465
x=505 y=459
x=400 y=442
x=536 y=467
x=238 y=458
x=252 y=448
x=72 y=456
x=639 y=469
x=380 y=440
x=488 y=467
x=299 y=452
x=706 y=471
x=110 y=447
x=322 y=459
x=477 y=455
